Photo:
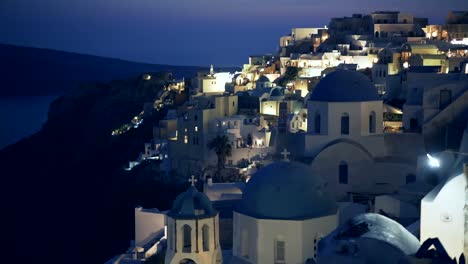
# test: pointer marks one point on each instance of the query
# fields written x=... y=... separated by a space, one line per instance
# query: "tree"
x=223 y=148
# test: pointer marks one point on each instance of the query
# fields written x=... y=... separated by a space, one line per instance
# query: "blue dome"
x=263 y=78
x=192 y=204
x=345 y=86
x=286 y=190
x=277 y=91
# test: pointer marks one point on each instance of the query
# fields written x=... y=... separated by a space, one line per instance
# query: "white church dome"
x=367 y=238
x=345 y=86
x=192 y=204
x=286 y=190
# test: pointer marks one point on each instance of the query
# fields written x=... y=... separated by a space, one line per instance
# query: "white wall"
x=442 y=215
x=298 y=236
x=148 y=224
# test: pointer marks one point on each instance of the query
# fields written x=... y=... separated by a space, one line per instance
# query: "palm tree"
x=222 y=148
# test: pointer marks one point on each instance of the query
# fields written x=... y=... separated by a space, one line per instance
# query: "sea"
x=22 y=116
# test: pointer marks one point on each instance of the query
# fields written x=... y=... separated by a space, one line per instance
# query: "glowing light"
x=434 y=34
x=433 y=162
x=463 y=41
x=376 y=60
x=405 y=65
x=146 y=77
x=196 y=128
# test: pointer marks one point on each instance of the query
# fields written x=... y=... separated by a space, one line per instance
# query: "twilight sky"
x=183 y=32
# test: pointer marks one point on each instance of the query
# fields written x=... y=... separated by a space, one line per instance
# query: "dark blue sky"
x=183 y=32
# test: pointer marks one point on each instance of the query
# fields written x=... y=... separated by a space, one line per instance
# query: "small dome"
x=277 y=91
x=286 y=190
x=262 y=79
x=192 y=204
x=345 y=86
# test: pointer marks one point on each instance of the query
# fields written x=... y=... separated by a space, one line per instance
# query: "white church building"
x=285 y=210
x=345 y=138
x=193 y=230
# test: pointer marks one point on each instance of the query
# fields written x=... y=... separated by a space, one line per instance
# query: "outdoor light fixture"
x=433 y=162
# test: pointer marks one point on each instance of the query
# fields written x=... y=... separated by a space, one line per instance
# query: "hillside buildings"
x=328 y=139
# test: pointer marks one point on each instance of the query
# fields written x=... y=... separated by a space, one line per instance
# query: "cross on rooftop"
x=285 y=154
x=193 y=180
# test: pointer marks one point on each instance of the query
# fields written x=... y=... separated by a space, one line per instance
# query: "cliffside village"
x=347 y=145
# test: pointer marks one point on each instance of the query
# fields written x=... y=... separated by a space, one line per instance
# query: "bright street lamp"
x=433 y=162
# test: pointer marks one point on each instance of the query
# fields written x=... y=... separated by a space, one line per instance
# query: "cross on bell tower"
x=192 y=180
x=285 y=154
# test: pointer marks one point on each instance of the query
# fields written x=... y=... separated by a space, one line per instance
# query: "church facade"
x=345 y=138
x=285 y=210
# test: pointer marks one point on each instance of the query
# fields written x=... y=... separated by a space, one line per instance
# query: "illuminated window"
x=185 y=139
x=196 y=128
x=185 y=130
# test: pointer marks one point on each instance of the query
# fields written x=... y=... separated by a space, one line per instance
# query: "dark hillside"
x=33 y=71
x=66 y=196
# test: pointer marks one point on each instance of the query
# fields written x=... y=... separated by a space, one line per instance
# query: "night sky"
x=183 y=32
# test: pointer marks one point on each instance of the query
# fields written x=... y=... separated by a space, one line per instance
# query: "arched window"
x=372 y=122
x=280 y=252
x=206 y=237
x=187 y=239
x=345 y=124
x=317 y=123
x=343 y=173
x=195 y=117
x=376 y=34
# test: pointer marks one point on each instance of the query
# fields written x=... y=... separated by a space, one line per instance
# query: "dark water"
x=22 y=116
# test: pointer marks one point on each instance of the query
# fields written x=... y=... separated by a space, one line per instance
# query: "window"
x=410 y=178
x=187 y=239
x=343 y=173
x=414 y=124
x=317 y=123
x=280 y=252
x=195 y=117
x=345 y=124
x=185 y=139
x=185 y=130
x=196 y=128
x=206 y=237
x=445 y=98
x=195 y=141
x=372 y=122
